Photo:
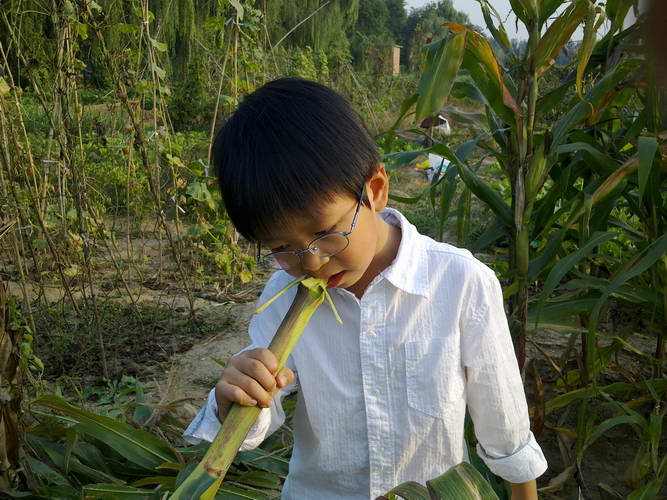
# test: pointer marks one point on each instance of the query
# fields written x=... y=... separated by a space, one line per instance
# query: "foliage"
x=576 y=156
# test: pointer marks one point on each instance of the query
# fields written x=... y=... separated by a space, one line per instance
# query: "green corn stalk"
x=207 y=476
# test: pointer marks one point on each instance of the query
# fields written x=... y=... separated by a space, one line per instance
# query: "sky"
x=471 y=7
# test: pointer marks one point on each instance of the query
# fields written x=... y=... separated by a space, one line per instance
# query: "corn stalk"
x=207 y=477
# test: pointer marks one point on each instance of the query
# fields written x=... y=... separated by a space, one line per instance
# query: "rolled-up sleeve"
x=495 y=395
x=205 y=426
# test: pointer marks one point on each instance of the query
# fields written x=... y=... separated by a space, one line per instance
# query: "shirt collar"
x=409 y=270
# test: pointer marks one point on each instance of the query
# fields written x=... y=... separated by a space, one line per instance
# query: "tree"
x=425 y=23
x=397 y=19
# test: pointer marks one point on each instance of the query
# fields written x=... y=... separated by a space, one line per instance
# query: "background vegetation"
x=113 y=241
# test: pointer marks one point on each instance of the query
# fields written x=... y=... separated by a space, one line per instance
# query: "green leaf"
x=600 y=93
x=406 y=106
x=605 y=426
x=408 y=491
x=558 y=34
x=547 y=8
x=198 y=190
x=566 y=264
x=159 y=46
x=620 y=389
x=553 y=100
x=46 y=473
x=114 y=491
x=640 y=263
x=461 y=482
x=499 y=34
x=605 y=164
x=437 y=80
x=159 y=71
x=480 y=61
x=482 y=190
x=138 y=446
x=56 y=454
x=586 y=48
x=260 y=459
x=526 y=10
x=647 y=147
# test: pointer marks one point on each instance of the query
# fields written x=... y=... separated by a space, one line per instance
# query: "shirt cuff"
x=205 y=426
x=525 y=464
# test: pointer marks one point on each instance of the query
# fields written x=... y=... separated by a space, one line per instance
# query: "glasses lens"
x=282 y=260
x=329 y=244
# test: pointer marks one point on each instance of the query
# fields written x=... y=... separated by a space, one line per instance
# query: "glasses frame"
x=309 y=248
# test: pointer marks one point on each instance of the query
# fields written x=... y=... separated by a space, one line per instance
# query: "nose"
x=312 y=263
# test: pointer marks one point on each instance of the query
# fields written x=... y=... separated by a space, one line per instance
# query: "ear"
x=377 y=189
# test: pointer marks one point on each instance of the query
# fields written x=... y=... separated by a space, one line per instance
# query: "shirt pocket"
x=434 y=377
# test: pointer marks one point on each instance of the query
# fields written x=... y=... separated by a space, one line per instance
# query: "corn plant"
x=541 y=162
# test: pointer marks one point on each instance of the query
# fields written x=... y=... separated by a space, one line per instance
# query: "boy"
x=382 y=397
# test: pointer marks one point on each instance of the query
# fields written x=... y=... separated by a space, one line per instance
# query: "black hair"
x=291 y=146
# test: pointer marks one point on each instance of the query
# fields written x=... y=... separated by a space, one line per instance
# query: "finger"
x=266 y=357
x=250 y=387
x=229 y=393
x=285 y=377
x=255 y=369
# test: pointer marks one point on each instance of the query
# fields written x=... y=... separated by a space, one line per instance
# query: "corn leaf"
x=56 y=454
x=558 y=34
x=547 y=8
x=552 y=100
x=617 y=10
x=481 y=189
x=480 y=62
x=138 y=446
x=406 y=106
x=586 y=48
x=499 y=34
x=642 y=261
x=408 y=491
x=437 y=80
x=647 y=147
x=114 y=491
x=600 y=93
x=568 y=263
x=526 y=10
x=461 y=482
x=604 y=163
x=619 y=389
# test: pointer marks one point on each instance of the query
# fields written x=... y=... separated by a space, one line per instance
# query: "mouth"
x=335 y=280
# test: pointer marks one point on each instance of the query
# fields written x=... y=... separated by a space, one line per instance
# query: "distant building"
x=396 y=60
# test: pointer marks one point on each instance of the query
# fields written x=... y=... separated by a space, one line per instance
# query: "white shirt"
x=382 y=397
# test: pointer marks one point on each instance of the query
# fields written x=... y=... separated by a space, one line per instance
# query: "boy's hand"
x=250 y=379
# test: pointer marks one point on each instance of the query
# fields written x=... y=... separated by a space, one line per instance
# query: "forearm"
x=524 y=491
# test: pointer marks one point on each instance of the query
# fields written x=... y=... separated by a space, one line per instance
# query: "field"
x=126 y=287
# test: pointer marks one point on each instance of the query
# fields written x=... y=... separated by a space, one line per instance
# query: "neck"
x=389 y=239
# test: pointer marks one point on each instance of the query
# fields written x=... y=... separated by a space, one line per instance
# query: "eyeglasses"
x=323 y=246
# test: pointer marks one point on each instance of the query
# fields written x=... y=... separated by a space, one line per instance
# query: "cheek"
x=360 y=252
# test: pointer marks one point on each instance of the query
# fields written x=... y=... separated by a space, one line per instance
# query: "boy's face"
x=368 y=239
